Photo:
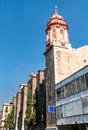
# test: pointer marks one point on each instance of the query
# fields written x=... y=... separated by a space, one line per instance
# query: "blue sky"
x=22 y=37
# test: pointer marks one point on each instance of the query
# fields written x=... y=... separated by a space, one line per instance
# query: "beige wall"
x=24 y=105
x=68 y=61
x=18 y=101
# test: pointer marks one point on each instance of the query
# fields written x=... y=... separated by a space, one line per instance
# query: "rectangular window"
x=86 y=76
x=58 y=94
x=73 y=87
x=85 y=104
x=70 y=89
x=59 y=112
x=78 y=87
x=66 y=90
x=82 y=82
x=62 y=92
x=6 y=109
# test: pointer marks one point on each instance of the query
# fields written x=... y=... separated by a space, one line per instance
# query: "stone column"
x=18 y=100
x=24 y=102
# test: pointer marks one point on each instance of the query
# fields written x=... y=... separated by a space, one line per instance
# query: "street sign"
x=51 y=109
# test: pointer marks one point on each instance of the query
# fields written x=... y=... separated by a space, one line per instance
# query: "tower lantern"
x=57 y=31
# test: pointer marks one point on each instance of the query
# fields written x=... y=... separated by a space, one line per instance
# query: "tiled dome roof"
x=57 y=20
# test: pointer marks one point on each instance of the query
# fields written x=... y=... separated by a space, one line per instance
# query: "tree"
x=30 y=118
x=9 y=122
x=34 y=109
x=29 y=108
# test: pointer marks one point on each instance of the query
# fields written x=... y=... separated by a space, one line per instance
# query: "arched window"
x=6 y=109
x=61 y=34
x=54 y=33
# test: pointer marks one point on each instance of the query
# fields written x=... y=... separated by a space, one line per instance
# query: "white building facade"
x=6 y=109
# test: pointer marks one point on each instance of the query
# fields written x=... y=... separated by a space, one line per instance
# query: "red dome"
x=58 y=21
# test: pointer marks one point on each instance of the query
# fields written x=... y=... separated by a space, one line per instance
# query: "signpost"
x=51 y=109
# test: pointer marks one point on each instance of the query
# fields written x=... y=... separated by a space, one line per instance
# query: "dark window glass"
x=73 y=87
x=82 y=82
x=62 y=92
x=66 y=90
x=70 y=89
x=86 y=76
x=59 y=94
x=78 y=87
x=6 y=109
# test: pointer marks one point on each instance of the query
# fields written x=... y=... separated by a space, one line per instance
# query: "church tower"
x=57 y=42
x=61 y=61
x=57 y=32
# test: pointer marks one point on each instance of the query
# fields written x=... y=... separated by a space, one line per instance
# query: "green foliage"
x=34 y=116
x=34 y=109
x=31 y=109
x=41 y=112
x=9 y=122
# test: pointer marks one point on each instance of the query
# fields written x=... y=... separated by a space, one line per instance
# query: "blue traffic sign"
x=51 y=109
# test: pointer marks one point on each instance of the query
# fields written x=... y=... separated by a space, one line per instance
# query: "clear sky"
x=22 y=37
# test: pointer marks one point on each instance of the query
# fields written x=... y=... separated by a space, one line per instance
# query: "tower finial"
x=56 y=10
x=55 y=7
